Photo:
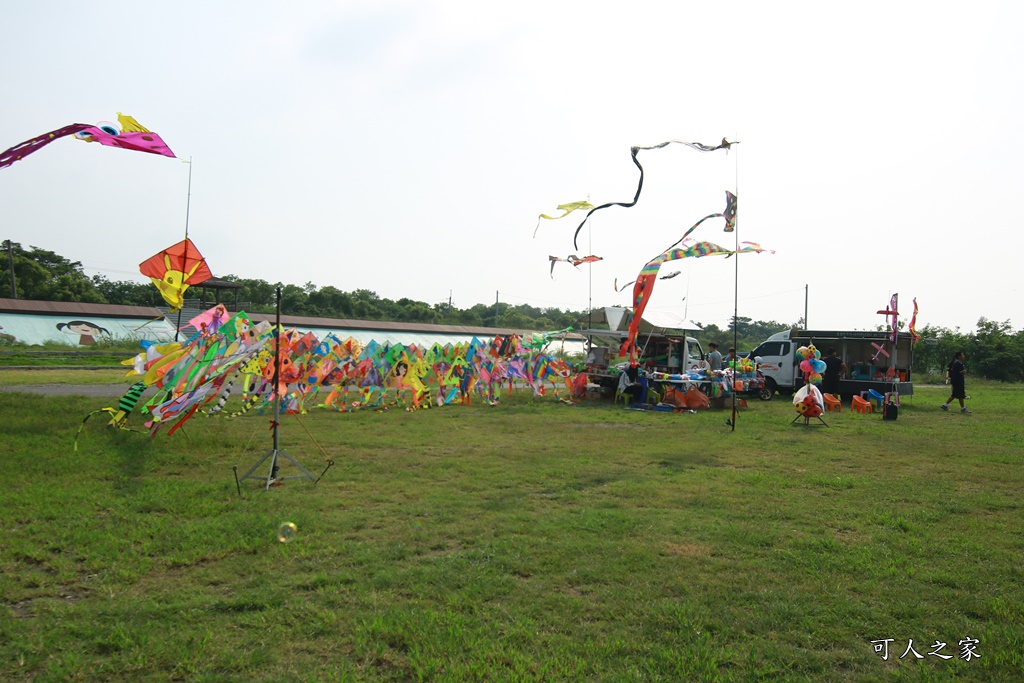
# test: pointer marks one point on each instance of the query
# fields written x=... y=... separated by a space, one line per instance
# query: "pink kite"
x=130 y=135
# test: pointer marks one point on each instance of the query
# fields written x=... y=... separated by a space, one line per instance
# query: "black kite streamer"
x=700 y=147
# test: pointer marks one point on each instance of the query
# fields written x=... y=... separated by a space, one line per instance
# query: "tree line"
x=994 y=350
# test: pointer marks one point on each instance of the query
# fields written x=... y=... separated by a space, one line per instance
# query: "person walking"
x=957 y=380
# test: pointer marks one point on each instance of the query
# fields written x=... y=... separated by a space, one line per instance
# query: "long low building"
x=81 y=324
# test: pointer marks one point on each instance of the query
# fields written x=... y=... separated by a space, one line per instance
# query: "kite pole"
x=188 y=205
x=736 y=290
x=275 y=452
x=590 y=266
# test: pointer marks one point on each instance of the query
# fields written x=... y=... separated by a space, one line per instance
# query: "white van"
x=872 y=360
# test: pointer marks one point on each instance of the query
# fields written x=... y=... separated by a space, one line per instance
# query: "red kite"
x=174 y=270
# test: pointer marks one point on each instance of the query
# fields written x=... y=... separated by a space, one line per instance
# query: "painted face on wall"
x=87 y=331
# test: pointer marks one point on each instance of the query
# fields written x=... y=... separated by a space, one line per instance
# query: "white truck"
x=872 y=360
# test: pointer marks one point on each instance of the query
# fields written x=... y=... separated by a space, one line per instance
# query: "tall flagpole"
x=188 y=206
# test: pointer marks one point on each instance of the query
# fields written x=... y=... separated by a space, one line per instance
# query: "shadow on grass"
x=677 y=462
x=129 y=459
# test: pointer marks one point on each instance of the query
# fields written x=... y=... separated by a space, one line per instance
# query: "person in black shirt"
x=957 y=380
x=834 y=370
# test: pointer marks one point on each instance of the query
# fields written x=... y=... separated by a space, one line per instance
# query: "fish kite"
x=566 y=208
x=174 y=270
x=700 y=147
x=126 y=134
x=573 y=259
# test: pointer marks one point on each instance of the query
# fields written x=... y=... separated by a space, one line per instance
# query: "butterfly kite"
x=174 y=270
x=126 y=134
x=700 y=147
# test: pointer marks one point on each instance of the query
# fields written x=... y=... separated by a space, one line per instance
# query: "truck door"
x=694 y=353
x=777 y=363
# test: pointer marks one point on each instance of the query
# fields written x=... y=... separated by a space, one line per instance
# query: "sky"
x=408 y=147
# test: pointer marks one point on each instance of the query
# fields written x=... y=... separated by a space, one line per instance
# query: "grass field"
x=41 y=376
x=533 y=541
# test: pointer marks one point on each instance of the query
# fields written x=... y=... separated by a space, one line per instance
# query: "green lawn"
x=533 y=541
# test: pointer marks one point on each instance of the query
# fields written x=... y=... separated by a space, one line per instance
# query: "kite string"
x=315 y=442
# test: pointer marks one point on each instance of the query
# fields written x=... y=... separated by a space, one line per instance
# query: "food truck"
x=872 y=360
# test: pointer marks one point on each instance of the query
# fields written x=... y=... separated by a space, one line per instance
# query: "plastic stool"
x=861 y=406
x=832 y=404
x=876 y=397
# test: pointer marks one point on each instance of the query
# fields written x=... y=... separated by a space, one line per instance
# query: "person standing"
x=714 y=357
x=730 y=360
x=957 y=380
x=835 y=368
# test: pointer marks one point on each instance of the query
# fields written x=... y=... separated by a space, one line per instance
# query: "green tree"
x=996 y=352
x=46 y=276
x=259 y=295
x=126 y=292
x=294 y=300
x=330 y=302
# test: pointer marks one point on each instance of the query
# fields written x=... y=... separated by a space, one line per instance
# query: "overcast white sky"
x=408 y=147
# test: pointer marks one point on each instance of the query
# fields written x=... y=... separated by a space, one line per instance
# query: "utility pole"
x=10 y=265
x=807 y=289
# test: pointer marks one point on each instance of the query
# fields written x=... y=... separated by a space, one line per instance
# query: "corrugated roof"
x=76 y=309
x=386 y=326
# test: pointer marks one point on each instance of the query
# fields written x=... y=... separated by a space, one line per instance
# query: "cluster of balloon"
x=808 y=407
x=812 y=365
x=808 y=401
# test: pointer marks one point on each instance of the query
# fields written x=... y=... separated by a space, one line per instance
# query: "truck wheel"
x=768 y=390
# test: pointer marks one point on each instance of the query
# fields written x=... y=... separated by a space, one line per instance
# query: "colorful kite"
x=644 y=284
x=731 y=206
x=700 y=147
x=893 y=313
x=126 y=134
x=174 y=270
x=914 y=336
x=729 y=214
x=566 y=209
